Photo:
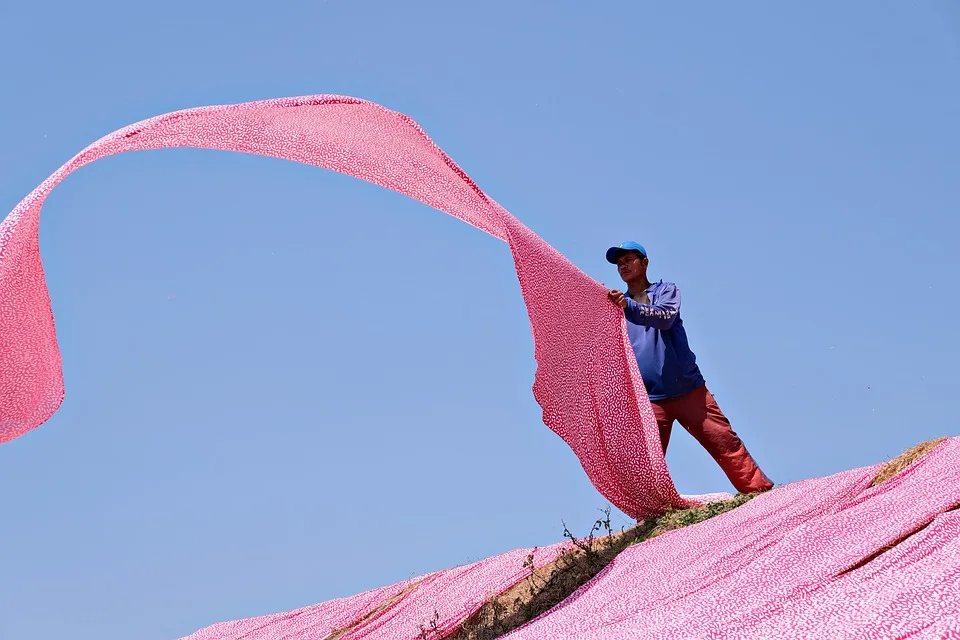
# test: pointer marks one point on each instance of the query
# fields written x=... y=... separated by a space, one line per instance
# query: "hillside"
x=868 y=553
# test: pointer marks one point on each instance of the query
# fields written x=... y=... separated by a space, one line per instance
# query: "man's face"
x=631 y=266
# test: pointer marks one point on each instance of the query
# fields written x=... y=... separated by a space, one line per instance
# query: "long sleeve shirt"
x=667 y=365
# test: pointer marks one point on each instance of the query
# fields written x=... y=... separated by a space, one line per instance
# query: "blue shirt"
x=667 y=365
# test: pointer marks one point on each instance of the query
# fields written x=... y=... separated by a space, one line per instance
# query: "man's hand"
x=618 y=298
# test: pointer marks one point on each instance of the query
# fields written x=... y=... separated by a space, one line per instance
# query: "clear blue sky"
x=261 y=413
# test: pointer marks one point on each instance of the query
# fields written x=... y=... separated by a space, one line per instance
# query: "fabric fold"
x=827 y=558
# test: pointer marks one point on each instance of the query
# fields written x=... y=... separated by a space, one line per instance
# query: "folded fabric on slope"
x=657 y=574
x=826 y=558
x=443 y=600
x=587 y=380
x=908 y=590
x=442 y=604
x=823 y=558
x=308 y=623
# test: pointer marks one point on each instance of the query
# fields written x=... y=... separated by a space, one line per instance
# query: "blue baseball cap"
x=614 y=253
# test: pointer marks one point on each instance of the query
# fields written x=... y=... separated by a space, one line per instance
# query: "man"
x=669 y=369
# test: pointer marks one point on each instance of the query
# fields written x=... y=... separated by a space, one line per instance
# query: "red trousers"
x=698 y=413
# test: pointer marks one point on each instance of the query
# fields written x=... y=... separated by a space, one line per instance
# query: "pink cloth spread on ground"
x=308 y=623
x=436 y=603
x=826 y=558
x=587 y=380
x=443 y=603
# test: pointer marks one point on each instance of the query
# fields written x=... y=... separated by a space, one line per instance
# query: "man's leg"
x=699 y=414
x=665 y=417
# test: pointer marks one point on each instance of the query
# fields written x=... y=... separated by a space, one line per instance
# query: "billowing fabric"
x=587 y=380
x=829 y=558
x=440 y=601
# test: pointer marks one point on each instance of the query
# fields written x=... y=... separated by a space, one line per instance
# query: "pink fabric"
x=316 y=621
x=808 y=560
x=453 y=595
x=587 y=380
x=804 y=561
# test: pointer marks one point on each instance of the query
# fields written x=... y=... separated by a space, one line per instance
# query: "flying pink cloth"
x=827 y=558
x=443 y=600
x=587 y=381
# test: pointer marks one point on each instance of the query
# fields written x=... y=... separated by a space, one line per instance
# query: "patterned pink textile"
x=824 y=558
x=316 y=621
x=587 y=380
x=810 y=560
x=452 y=595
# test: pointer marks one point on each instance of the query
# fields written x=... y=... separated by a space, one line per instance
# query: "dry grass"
x=544 y=588
x=904 y=460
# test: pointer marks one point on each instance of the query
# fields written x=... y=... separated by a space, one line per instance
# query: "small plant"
x=534 y=580
x=530 y=561
x=589 y=546
x=432 y=630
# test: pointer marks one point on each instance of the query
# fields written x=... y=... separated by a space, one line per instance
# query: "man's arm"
x=661 y=315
